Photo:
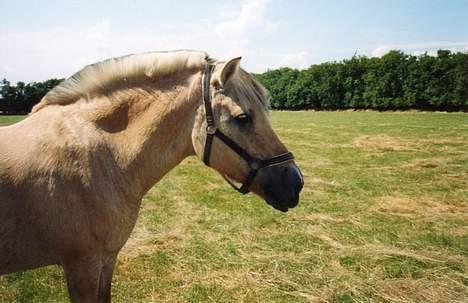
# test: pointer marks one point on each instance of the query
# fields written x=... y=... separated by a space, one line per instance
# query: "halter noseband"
x=212 y=131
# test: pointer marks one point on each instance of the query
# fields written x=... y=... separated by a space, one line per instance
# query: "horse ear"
x=229 y=69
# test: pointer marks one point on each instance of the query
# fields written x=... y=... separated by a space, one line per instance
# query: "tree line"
x=395 y=81
x=20 y=98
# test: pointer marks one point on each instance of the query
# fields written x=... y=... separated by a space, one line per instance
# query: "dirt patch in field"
x=382 y=143
x=421 y=207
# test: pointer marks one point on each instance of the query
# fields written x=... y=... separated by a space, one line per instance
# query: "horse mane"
x=111 y=74
x=106 y=75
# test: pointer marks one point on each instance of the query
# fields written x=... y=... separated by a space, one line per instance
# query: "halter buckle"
x=255 y=164
x=210 y=129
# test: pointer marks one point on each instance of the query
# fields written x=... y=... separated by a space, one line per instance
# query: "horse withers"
x=74 y=172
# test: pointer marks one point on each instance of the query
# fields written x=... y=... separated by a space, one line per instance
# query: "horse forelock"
x=105 y=76
x=249 y=91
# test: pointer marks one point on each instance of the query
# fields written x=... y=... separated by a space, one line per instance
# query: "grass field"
x=383 y=218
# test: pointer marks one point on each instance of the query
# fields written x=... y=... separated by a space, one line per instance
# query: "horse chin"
x=282 y=205
x=278 y=206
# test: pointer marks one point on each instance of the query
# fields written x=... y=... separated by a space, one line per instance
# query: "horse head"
x=232 y=134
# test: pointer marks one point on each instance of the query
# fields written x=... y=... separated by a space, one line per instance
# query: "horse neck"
x=157 y=136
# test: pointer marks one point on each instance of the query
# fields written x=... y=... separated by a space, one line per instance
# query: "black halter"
x=212 y=131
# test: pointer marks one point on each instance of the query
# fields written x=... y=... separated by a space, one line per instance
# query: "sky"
x=43 y=39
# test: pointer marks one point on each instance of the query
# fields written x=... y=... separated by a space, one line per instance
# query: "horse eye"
x=243 y=118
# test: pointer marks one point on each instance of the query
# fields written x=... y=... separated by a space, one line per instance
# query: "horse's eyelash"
x=243 y=117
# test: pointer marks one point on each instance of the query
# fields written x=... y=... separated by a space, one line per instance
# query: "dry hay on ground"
x=315 y=182
x=172 y=236
x=381 y=143
x=442 y=141
x=442 y=289
x=385 y=143
x=323 y=218
x=421 y=207
x=426 y=163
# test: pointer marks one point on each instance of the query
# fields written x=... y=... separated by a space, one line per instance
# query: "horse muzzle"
x=281 y=186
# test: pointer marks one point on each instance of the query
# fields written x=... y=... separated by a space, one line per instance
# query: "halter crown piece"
x=212 y=131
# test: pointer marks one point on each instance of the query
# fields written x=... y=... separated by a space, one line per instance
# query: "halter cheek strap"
x=212 y=131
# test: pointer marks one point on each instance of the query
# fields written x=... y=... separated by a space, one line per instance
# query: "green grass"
x=5 y=120
x=382 y=218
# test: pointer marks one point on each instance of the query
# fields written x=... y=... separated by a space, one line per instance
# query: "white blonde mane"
x=119 y=72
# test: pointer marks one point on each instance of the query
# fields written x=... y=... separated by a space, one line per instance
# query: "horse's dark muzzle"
x=281 y=186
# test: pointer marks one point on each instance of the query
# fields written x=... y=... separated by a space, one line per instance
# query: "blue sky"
x=48 y=38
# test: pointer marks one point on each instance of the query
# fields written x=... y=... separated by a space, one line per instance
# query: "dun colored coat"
x=74 y=172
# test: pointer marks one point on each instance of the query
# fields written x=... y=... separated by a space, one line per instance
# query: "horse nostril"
x=300 y=184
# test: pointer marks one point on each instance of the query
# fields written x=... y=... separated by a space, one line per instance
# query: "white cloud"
x=59 y=52
x=252 y=16
x=7 y=69
x=380 y=51
x=239 y=32
x=298 y=60
x=430 y=47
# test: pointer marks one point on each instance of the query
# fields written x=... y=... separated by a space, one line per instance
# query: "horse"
x=74 y=172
